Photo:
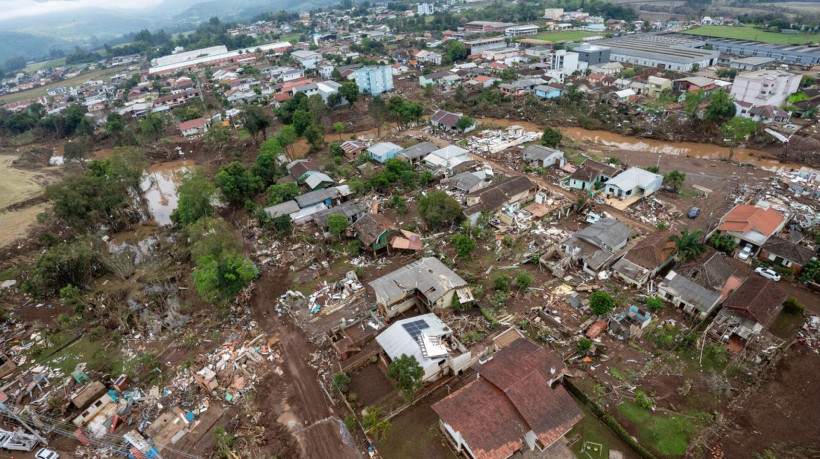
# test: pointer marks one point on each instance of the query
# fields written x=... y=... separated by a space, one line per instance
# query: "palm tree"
x=688 y=246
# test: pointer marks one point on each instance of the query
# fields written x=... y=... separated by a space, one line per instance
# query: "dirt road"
x=295 y=400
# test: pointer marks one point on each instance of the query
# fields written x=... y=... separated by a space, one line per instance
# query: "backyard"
x=753 y=33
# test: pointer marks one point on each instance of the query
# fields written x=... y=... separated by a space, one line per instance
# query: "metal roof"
x=430 y=277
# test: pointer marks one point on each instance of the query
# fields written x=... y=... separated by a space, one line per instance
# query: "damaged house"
x=750 y=309
x=589 y=173
x=541 y=156
x=430 y=341
x=643 y=261
x=374 y=231
x=512 y=407
x=511 y=193
x=426 y=282
x=595 y=246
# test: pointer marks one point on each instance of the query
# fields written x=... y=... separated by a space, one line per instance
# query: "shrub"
x=523 y=280
x=643 y=400
x=601 y=302
x=341 y=381
x=793 y=306
x=502 y=282
x=654 y=303
x=350 y=422
x=584 y=345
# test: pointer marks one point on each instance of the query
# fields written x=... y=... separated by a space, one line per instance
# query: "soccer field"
x=567 y=35
x=751 y=33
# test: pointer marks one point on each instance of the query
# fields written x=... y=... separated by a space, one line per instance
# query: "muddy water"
x=691 y=149
x=159 y=187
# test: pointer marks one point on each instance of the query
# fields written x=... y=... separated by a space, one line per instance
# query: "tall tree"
x=237 y=183
x=194 y=202
x=350 y=91
x=407 y=373
x=720 y=106
x=255 y=121
x=675 y=179
x=551 y=137
x=737 y=129
x=688 y=246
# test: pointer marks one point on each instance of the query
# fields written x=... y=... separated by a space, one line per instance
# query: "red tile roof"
x=192 y=124
x=511 y=397
x=744 y=218
x=653 y=251
x=760 y=299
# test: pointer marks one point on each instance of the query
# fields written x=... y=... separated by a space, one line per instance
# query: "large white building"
x=425 y=8
x=374 y=80
x=521 y=30
x=765 y=87
x=215 y=55
x=660 y=51
x=563 y=63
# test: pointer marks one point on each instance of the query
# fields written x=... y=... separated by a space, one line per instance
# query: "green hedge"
x=610 y=421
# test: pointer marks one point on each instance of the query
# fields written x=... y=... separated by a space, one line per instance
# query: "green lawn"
x=666 y=435
x=592 y=433
x=567 y=35
x=751 y=33
x=44 y=65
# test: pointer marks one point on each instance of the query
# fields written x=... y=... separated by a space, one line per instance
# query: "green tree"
x=350 y=91
x=584 y=345
x=283 y=225
x=218 y=136
x=339 y=128
x=464 y=123
x=255 y=120
x=737 y=129
x=64 y=264
x=507 y=75
x=793 y=306
x=237 y=183
x=282 y=192
x=374 y=422
x=224 y=277
x=211 y=236
x=807 y=81
x=464 y=244
x=654 y=303
x=407 y=373
x=601 y=302
x=194 y=202
x=502 y=282
x=75 y=151
x=456 y=51
x=266 y=167
x=688 y=246
x=674 y=179
x=337 y=224
x=114 y=124
x=551 y=137
x=287 y=136
x=439 y=209
x=691 y=104
x=720 y=106
x=315 y=136
x=152 y=126
x=301 y=120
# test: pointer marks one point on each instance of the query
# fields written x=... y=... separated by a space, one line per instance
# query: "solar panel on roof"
x=415 y=327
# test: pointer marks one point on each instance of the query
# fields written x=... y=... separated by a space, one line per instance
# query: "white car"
x=745 y=253
x=768 y=274
x=46 y=453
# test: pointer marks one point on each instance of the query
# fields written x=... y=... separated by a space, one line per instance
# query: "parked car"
x=693 y=212
x=746 y=252
x=768 y=273
x=46 y=453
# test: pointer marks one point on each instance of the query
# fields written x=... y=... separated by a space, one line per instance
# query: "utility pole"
x=4 y=408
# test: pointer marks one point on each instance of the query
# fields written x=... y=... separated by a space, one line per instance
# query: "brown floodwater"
x=159 y=187
x=691 y=149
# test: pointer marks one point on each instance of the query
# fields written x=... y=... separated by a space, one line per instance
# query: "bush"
x=502 y=282
x=350 y=422
x=439 y=209
x=464 y=244
x=643 y=400
x=523 y=280
x=654 y=303
x=584 y=345
x=601 y=302
x=793 y=306
x=341 y=381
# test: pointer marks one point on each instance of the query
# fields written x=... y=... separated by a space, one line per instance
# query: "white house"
x=765 y=87
x=633 y=182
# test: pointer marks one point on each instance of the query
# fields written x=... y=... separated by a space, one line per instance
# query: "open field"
x=803 y=7
x=33 y=67
x=567 y=35
x=17 y=185
x=15 y=224
x=751 y=33
x=102 y=74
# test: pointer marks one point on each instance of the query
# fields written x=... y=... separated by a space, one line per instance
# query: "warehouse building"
x=591 y=54
x=481 y=45
x=787 y=54
x=660 y=51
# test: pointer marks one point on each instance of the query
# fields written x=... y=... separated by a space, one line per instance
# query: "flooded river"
x=159 y=187
x=628 y=143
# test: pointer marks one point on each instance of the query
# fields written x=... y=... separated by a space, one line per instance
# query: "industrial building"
x=787 y=54
x=486 y=26
x=214 y=55
x=521 y=30
x=591 y=54
x=478 y=46
x=661 y=51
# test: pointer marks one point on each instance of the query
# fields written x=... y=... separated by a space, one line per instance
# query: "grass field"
x=751 y=33
x=567 y=35
x=102 y=74
x=667 y=435
x=17 y=185
x=16 y=224
x=44 y=65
